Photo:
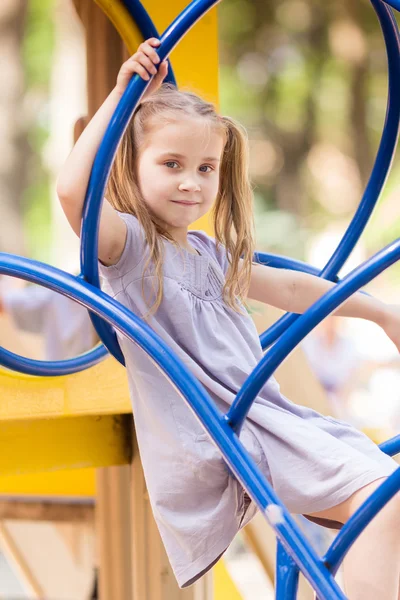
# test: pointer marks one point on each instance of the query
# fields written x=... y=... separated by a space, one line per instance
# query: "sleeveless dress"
x=313 y=462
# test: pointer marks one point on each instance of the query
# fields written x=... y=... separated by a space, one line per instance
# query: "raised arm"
x=74 y=176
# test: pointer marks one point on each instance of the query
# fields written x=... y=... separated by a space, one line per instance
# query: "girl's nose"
x=189 y=186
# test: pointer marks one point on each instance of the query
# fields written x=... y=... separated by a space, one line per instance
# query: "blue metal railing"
x=294 y=551
x=146 y=27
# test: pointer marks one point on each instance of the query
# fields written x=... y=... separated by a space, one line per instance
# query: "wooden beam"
x=73 y=443
x=78 y=483
x=17 y=509
x=101 y=390
x=15 y=557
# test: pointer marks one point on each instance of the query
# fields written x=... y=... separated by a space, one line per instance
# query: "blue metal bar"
x=391 y=447
x=379 y=173
x=287 y=575
x=54 y=368
x=306 y=322
x=393 y=3
x=147 y=28
x=358 y=522
x=237 y=458
x=102 y=163
x=44 y=368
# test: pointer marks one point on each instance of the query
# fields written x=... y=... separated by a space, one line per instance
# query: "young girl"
x=178 y=159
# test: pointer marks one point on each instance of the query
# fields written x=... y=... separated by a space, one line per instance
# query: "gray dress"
x=313 y=462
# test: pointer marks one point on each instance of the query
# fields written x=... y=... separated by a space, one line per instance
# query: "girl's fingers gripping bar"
x=140 y=70
x=145 y=62
x=147 y=48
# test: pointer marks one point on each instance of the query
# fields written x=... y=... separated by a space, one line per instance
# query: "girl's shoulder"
x=206 y=243
x=134 y=249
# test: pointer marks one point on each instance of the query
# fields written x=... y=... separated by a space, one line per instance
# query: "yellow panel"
x=224 y=587
x=120 y=18
x=195 y=59
x=103 y=389
x=59 y=444
x=79 y=482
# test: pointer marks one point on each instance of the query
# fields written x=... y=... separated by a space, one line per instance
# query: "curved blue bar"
x=358 y=522
x=283 y=262
x=393 y=3
x=379 y=173
x=386 y=149
x=305 y=323
x=200 y=402
x=391 y=447
x=105 y=155
x=147 y=28
x=29 y=366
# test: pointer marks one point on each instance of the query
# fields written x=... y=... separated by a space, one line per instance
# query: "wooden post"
x=113 y=521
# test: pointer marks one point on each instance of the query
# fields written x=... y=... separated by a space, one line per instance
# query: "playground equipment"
x=294 y=553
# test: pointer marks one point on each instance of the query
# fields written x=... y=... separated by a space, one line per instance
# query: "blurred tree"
x=38 y=52
x=308 y=80
x=14 y=149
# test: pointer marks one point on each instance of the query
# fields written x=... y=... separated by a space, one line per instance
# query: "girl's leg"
x=371 y=568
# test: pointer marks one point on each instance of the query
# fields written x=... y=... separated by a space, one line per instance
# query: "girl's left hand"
x=391 y=324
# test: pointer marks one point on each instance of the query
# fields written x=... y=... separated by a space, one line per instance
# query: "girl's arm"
x=74 y=176
x=294 y=291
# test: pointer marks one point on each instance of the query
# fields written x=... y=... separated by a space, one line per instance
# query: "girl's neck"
x=181 y=238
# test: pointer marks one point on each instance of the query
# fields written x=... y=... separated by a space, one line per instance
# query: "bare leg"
x=372 y=565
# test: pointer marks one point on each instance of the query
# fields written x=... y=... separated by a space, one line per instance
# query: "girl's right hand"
x=143 y=63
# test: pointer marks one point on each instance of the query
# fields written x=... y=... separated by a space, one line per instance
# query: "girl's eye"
x=206 y=167
x=171 y=164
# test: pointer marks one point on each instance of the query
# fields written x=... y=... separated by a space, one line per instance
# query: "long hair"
x=233 y=208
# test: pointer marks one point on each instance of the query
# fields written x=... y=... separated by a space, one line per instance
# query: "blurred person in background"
x=65 y=325
x=336 y=362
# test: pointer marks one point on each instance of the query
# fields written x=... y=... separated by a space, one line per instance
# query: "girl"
x=178 y=159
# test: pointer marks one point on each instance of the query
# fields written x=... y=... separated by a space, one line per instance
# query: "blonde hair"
x=233 y=209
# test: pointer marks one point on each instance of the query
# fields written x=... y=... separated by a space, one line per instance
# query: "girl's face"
x=178 y=172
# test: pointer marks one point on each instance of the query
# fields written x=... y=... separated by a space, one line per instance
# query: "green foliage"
x=37 y=217
x=38 y=43
x=37 y=55
x=310 y=76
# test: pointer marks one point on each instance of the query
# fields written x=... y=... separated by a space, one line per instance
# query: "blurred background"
x=308 y=79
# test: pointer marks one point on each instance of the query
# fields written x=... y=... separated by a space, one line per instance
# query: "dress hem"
x=200 y=566
x=344 y=493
